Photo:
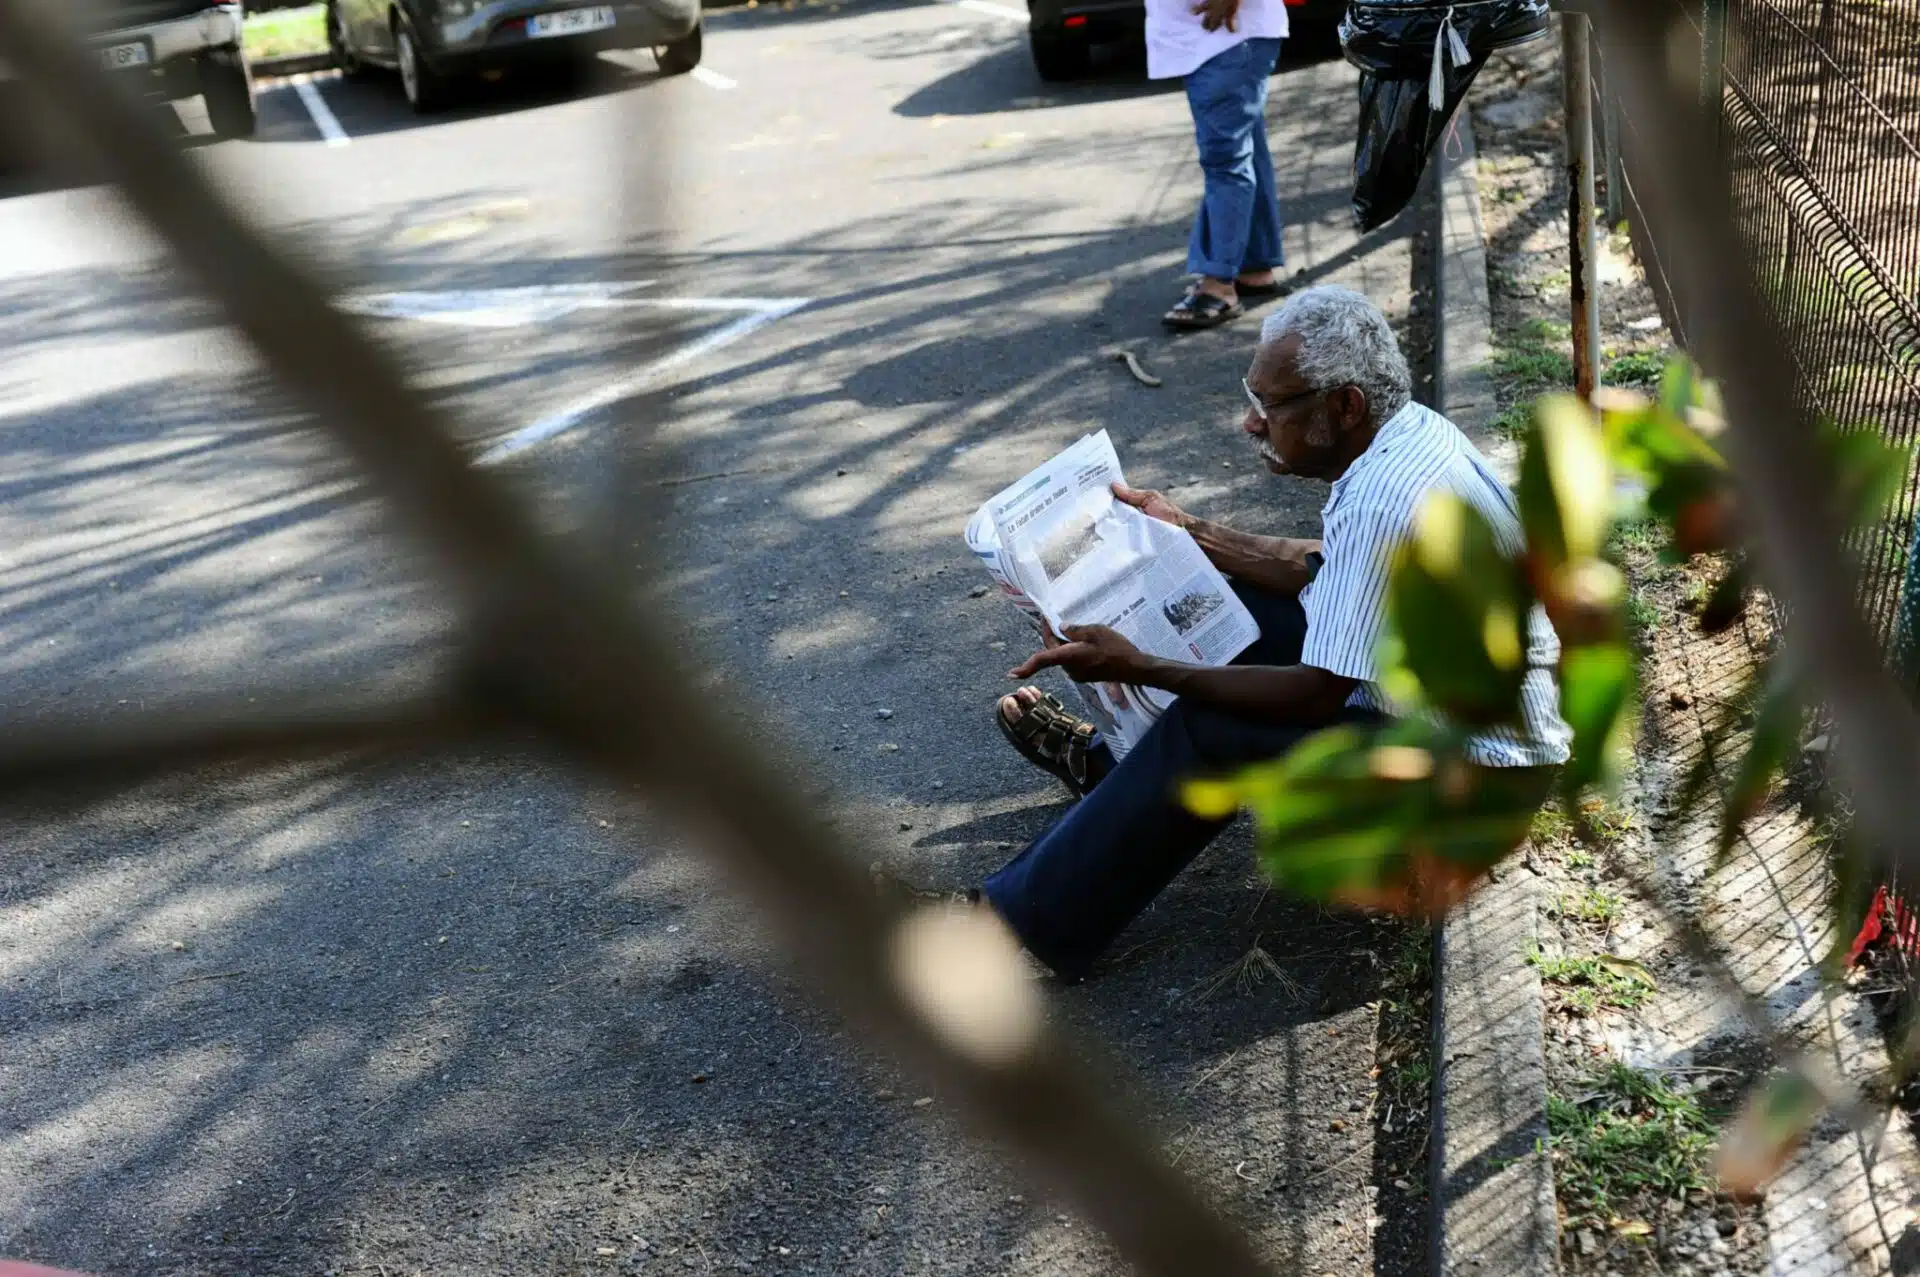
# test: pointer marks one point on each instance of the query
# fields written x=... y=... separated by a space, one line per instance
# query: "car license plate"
x=570 y=21
x=118 y=57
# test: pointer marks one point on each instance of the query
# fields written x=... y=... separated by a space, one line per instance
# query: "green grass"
x=1534 y=366
x=1634 y=538
x=1642 y=616
x=1591 y=981
x=1638 y=368
x=1579 y=858
x=1550 y=825
x=287 y=33
x=1626 y=1143
x=1512 y=420
x=1601 y=908
x=1406 y=1015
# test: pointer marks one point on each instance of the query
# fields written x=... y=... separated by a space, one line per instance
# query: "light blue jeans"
x=1238 y=227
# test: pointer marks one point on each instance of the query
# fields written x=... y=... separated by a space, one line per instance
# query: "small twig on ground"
x=1249 y=971
x=1132 y=361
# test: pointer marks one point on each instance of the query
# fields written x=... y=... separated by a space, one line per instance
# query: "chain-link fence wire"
x=558 y=648
x=1814 y=109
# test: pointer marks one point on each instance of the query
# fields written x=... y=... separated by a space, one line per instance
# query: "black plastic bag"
x=1417 y=61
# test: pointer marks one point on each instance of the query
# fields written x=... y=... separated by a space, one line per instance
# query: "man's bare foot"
x=1254 y=279
x=1014 y=705
x=1221 y=288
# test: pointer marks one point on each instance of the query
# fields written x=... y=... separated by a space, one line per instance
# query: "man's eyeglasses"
x=1264 y=410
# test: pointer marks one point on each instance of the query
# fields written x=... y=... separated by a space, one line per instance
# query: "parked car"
x=175 y=49
x=433 y=43
x=1062 y=33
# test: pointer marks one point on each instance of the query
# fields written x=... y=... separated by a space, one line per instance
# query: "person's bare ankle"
x=1221 y=288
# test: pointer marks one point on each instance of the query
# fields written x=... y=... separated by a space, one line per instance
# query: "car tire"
x=681 y=56
x=227 y=89
x=1058 y=56
x=345 y=60
x=426 y=88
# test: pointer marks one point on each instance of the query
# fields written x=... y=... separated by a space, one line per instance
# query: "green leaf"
x=1459 y=607
x=1774 y=738
x=1391 y=816
x=1685 y=475
x=1776 y=1119
x=1869 y=472
x=1597 y=700
x=1628 y=969
x=1566 y=485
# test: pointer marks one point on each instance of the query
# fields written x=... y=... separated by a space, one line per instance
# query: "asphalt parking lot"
x=474 y=1014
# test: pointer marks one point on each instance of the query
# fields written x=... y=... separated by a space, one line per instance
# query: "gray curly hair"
x=1344 y=341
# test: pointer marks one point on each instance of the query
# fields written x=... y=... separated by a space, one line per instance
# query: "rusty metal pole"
x=1576 y=77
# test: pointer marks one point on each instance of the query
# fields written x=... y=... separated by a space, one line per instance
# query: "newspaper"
x=1066 y=552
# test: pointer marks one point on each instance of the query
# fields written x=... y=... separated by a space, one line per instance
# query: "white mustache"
x=1267 y=453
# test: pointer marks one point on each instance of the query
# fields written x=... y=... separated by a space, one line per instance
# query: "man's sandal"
x=1201 y=310
x=1057 y=742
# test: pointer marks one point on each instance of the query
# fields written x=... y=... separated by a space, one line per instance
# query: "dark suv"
x=432 y=42
x=175 y=49
x=1063 y=32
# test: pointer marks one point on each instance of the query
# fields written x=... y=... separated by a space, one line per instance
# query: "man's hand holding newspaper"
x=1113 y=571
x=1091 y=654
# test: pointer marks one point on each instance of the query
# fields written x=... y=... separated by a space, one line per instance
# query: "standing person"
x=1226 y=50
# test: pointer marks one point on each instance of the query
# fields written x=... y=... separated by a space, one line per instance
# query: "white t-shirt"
x=1177 y=42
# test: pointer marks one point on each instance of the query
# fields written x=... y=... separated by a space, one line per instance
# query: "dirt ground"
x=1622 y=1038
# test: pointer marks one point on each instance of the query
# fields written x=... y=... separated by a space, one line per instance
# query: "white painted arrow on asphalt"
x=530 y=305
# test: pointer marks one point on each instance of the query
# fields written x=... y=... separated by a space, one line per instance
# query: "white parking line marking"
x=512 y=307
x=323 y=118
x=760 y=313
x=990 y=9
x=713 y=79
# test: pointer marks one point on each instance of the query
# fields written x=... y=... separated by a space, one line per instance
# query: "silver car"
x=433 y=43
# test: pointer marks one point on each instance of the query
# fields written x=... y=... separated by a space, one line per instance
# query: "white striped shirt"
x=1369 y=514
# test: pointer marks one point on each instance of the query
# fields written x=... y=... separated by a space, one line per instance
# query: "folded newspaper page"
x=1066 y=552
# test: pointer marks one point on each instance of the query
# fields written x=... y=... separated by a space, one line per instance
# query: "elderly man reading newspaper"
x=1328 y=398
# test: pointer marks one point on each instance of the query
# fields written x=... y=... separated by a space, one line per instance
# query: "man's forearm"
x=1296 y=694
x=1278 y=564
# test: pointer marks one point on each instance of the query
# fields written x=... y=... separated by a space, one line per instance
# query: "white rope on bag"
x=1446 y=43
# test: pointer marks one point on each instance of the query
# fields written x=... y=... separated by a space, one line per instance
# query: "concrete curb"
x=298 y=64
x=1492 y=1180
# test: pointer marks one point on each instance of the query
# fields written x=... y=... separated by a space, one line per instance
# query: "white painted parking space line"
x=513 y=307
x=317 y=108
x=713 y=79
x=760 y=313
x=1005 y=12
x=529 y=305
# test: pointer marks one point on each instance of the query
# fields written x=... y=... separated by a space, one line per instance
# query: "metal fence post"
x=1713 y=65
x=1576 y=76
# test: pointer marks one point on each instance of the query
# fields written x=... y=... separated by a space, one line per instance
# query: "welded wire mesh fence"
x=606 y=682
x=1815 y=109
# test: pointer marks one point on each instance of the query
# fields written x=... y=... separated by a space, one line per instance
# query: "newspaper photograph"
x=1067 y=552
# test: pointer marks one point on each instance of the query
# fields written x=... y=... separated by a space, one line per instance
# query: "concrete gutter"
x=1492 y=1180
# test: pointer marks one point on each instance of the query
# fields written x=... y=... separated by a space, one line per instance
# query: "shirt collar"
x=1405 y=421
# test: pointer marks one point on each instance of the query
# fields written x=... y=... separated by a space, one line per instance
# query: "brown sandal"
x=1058 y=743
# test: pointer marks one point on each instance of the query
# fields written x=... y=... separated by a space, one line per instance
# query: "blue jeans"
x=1079 y=884
x=1238 y=227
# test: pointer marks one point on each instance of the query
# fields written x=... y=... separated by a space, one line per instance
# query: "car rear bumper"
x=499 y=29
x=215 y=27
x=173 y=43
